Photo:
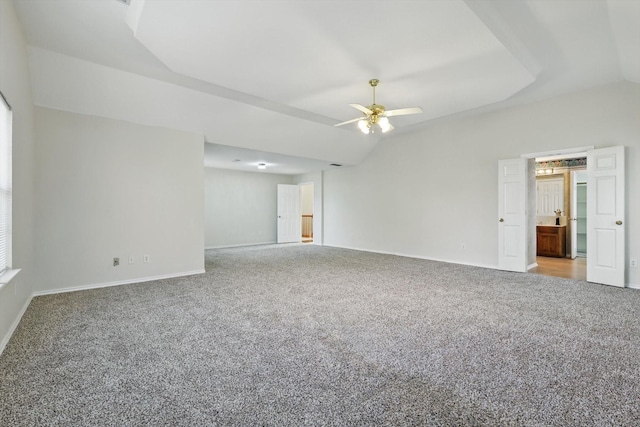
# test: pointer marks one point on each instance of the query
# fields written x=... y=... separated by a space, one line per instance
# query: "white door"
x=289 y=214
x=573 y=218
x=512 y=215
x=549 y=196
x=605 y=210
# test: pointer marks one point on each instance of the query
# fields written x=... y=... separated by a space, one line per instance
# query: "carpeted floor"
x=308 y=335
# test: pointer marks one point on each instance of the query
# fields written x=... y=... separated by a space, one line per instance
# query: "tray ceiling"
x=274 y=76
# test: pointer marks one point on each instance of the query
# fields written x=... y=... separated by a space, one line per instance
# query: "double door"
x=605 y=210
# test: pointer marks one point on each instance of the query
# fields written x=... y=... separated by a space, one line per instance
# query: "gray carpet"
x=309 y=335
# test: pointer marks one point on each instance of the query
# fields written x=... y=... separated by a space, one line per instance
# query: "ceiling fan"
x=376 y=116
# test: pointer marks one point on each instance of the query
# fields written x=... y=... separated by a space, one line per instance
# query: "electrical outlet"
x=634 y=263
x=464 y=246
x=116 y=262
x=131 y=260
x=146 y=258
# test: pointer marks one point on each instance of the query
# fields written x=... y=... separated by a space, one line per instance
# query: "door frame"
x=313 y=194
x=573 y=218
x=317 y=179
x=564 y=152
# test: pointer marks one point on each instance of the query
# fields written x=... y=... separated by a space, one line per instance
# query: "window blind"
x=5 y=183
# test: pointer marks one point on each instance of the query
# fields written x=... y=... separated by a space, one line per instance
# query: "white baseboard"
x=449 y=261
x=241 y=245
x=630 y=286
x=117 y=283
x=14 y=325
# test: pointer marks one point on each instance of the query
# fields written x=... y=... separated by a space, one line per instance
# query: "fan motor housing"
x=378 y=110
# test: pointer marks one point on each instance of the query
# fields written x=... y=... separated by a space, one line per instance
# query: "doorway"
x=295 y=213
x=605 y=214
x=579 y=209
x=306 y=201
x=560 y=218
x=606 y=259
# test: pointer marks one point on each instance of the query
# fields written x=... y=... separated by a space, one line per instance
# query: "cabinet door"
x=550 y=195
x=548 y=244
x=551 y=241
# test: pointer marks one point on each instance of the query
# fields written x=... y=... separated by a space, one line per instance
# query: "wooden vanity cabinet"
x=551 y=241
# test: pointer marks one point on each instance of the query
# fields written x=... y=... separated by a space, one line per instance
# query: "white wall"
x=241 y=207
x=108 y=188
x=14 y=84
x=315 y=178
x=306 y=198
x=425 y=194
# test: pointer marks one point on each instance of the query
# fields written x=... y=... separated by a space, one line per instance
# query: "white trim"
x=630 y=286
x=560 y=152
x=3 y=99
x=449 y=261
x=532 y=265
x=273 y=242
x=118 y=283
x=7 y=276
x=14 y=325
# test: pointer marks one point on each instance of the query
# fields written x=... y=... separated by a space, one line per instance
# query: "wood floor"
x=561 y=267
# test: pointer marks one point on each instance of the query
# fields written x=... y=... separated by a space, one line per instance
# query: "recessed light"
x=262 y=166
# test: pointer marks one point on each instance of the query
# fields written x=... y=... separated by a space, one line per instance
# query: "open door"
x=512 y=215
x=605 y=210
x=289 y=214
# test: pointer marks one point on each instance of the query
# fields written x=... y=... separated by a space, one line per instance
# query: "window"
x=5 y=186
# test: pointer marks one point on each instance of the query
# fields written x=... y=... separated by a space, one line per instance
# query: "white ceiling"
x=242 y=159
x=272 y=77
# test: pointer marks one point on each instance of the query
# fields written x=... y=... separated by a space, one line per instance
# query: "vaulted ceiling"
x=271 y=78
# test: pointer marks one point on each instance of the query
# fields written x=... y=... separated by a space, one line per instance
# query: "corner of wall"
x=16 y=86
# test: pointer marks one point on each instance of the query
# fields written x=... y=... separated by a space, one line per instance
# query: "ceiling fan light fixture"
x=364 y=126
x=384 y=124
x=376 y=116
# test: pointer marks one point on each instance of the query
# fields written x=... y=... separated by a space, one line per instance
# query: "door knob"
x=501 y=219
x=618 y=222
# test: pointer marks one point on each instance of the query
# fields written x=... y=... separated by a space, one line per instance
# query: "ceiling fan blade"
x=349 y=121
x=362 y=108
x=403 y=111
